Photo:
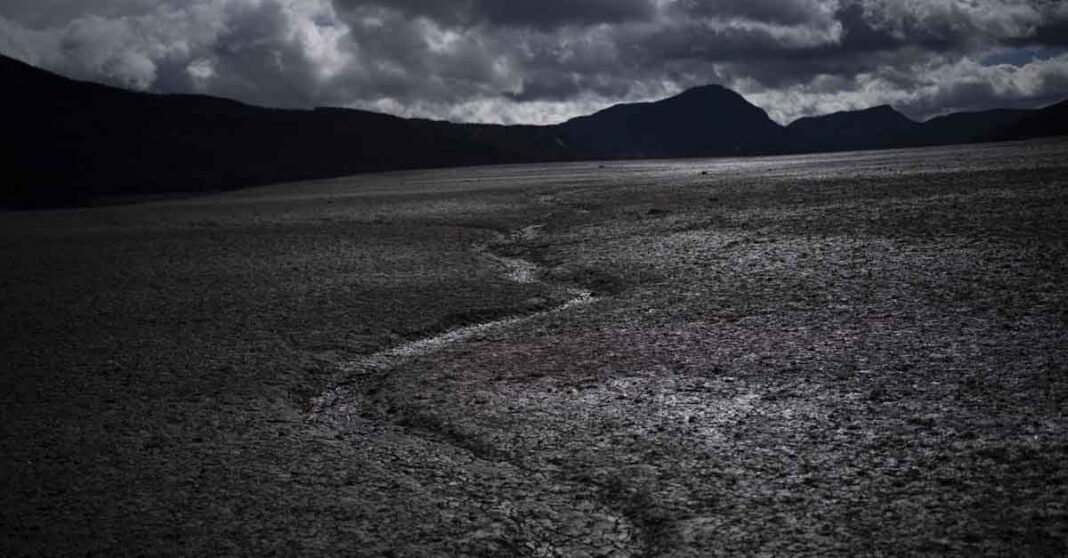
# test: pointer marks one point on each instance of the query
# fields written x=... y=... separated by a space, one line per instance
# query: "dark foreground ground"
x=838 y=354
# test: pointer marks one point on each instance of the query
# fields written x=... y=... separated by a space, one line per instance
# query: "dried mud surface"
x=841 y=354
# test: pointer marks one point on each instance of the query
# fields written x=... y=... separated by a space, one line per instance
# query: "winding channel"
x=581 y=520
x=518 y=270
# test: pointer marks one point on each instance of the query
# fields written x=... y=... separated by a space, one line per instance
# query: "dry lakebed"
x=843 y=354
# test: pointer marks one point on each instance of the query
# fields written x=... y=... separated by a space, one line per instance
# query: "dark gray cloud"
x=785 y=12
x=540 y=14
x=542 y=61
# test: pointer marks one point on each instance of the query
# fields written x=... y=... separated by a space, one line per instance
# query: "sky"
x=542 y=62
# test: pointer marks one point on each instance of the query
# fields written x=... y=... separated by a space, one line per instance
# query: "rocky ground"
x=839 y=354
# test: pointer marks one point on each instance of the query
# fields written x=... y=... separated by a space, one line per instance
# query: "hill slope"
x=967 y=127
x=67 y=141
x=1049 y=121
x=874 y=128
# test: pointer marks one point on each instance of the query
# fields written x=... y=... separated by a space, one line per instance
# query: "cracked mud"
x=822 y=355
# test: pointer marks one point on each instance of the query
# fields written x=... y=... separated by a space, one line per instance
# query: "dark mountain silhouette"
x=968 y=127
x=883 y=127
x=875 y=128
x=1050 y=121
x=66 y=142
x=704 y=121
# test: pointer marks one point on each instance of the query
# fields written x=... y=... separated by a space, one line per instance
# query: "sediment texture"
x=841 y=354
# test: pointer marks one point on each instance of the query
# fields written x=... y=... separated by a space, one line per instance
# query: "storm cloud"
x=545 y=61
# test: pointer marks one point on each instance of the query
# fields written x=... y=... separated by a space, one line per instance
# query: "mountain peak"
x=706 y=89
x=886 y=111
x=707 y=120
x=710 y=92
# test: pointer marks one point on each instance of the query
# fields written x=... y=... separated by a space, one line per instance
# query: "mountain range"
x=67 y=142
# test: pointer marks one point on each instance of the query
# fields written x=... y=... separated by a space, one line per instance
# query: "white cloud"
x=948 y=86
x=254 y=49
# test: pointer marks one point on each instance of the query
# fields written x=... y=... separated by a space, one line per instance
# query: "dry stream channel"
x=567 y=520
